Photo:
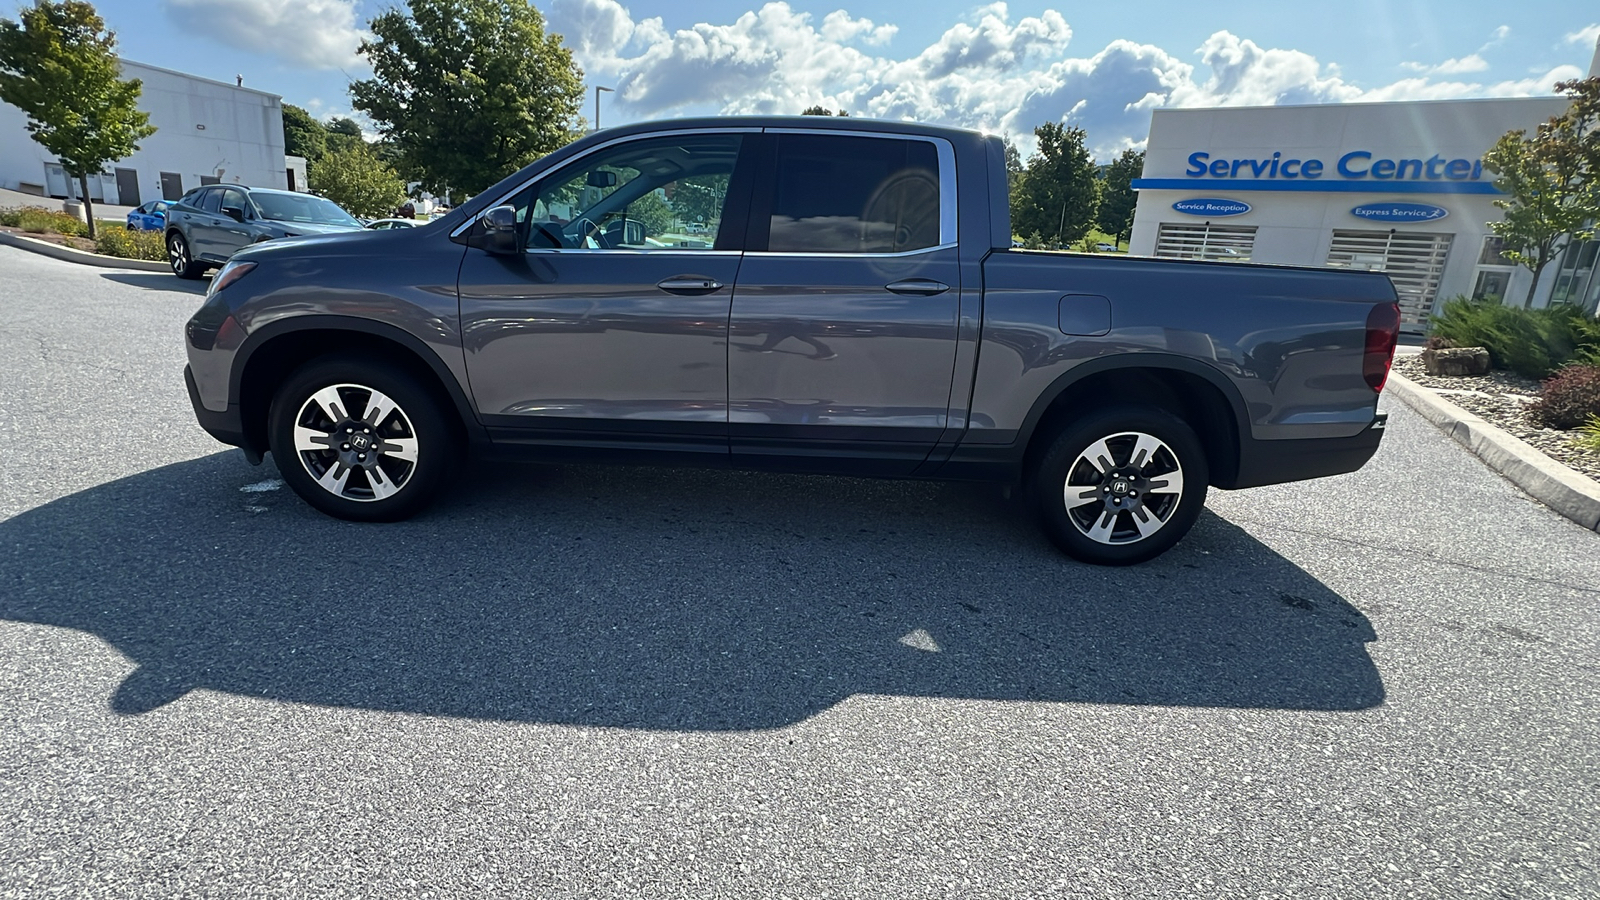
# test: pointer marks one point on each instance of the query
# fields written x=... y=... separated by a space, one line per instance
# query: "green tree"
x=1551 y=183
x=59 y=66
x=653 y=212
x=1058 y=194
x=822 y=111
x=468 y=91
x=357 y=180
x=1117 y=196
x=302 y=135
x=699 y=198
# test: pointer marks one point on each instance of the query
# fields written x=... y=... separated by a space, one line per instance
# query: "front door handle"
x=925 y=287
x=690 y=284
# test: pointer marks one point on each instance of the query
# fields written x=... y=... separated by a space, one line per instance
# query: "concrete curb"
x=78 y=256
x=1551 y=483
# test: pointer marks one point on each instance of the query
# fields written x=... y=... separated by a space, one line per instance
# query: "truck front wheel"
x=1121 y=486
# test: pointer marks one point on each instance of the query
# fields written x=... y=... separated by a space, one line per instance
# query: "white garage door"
x=1414 y=261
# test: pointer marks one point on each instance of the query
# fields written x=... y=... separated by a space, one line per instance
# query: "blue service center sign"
x=1212 y=207
x=1399 y=212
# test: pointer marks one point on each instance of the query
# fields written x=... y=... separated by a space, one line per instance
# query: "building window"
x=1414 y=262
x=1226 y=243
x=1494 y=252
x=1574 y=273
x=1491 y=284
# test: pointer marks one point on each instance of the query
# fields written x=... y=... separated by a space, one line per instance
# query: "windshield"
x=302 y=208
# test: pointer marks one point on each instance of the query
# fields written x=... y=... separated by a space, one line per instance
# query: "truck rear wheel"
x=1121 y=486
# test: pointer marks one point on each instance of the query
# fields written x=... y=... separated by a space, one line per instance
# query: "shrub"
x=10 y=217
x=1530 y=342
x=1589 y=435
x=120 y=242
x=43 y=221
x=1569 y=399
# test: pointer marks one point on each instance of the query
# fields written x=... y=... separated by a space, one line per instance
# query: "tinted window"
x=211 y=201
x=653 y=194
x=192 y=198
x=233 y=198
x=838 y=194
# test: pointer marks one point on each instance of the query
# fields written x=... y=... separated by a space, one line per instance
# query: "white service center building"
x=207 y=132
x=1397 y=188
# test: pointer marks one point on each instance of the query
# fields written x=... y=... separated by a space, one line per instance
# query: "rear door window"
x=211 y=201
x=849 y=194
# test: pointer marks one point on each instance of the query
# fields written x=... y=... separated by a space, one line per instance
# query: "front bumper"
x=226 y=426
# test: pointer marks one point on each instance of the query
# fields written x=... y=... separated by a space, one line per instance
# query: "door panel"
x=589 y=338
x=128 y=188
x=843 y=335
x=610 y=330
x=824 y=360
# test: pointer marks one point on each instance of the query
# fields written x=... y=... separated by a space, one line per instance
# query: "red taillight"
x=1383 y=329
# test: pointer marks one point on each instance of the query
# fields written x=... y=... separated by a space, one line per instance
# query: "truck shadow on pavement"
x=661 y=599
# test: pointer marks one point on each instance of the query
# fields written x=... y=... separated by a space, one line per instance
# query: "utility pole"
x=597 y=90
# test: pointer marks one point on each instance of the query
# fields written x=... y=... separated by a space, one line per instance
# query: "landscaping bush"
x=43 y=221
x=1589 y=435
x=10 y=216
x=1530 y=342
x=120 y=242
x=1569 y=399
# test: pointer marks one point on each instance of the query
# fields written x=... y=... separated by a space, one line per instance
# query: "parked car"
x=148 y=216
x=1104 y=247
x=205 y=226
x=384 y=224
x=859 y=310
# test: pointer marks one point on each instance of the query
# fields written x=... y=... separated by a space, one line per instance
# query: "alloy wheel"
x=1123 y=488
x=355 y=442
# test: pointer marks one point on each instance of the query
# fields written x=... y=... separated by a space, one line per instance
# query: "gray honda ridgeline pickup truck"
x=798 y=294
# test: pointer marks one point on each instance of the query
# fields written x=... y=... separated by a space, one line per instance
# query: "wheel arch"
x=1194 y=392
x=275 y=350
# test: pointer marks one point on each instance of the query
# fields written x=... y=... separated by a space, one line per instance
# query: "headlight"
x=230 y=273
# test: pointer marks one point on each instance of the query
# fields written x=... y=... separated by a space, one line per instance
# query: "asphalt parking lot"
x=675 y=683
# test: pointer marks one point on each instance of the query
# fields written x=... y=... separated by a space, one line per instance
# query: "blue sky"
x=1004 y=67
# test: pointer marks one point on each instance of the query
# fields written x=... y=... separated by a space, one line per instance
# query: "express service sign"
x=1211 y=207
x=1399 y=212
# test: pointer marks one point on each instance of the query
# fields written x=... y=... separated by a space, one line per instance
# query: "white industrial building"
x=207 y=132
x=1391 y=187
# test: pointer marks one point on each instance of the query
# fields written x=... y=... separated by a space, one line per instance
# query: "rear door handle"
x=689 y=284
x=926 y=287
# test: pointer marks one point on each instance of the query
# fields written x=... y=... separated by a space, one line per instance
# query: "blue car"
x=151 y=216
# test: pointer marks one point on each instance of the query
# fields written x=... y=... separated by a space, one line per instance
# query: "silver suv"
x=206 y=225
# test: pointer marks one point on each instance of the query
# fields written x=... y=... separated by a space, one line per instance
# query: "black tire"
x=180 y=258
x=409 y=450
x=1127 y=510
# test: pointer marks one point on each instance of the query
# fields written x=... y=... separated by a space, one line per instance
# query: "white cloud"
x=1585 y=37
x=1462 y=66
x=318 y=34
x=989 y=71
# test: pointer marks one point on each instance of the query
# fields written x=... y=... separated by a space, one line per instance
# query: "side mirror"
x=500 y=231
x=234 y=213
x=600 y=178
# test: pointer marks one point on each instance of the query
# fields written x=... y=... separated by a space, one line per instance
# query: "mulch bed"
x=1500 y=398
x=66 y=240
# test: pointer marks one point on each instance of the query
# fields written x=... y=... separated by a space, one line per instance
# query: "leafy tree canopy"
x=357 y=180
x=1057 y=196
x=1551 y=181
x=822 y=111
x=303 y=135
x=59 y=66
x=1117 y=196
x=468 y=91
